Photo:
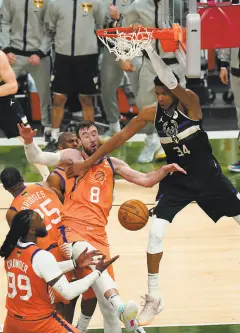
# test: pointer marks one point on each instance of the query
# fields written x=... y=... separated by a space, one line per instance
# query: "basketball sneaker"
x=152 y=144
x=151 y=308
x=160 y=154
x=235 y=167
x=128 y=314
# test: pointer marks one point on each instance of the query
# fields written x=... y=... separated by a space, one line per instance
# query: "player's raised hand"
x=86 y=258
x=136 y=26
x=127 y=66
x=114 y=13
x=174 y=167
x=77 y=169
x=102 y=264
x=27 y=133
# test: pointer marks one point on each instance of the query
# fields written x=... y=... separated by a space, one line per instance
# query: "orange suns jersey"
x=88 y=200
x=47 y=204
x=27 y=294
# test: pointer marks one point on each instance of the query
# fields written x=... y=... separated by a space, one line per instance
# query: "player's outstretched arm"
x=187 y=98
x=46 y=267
x=137 y=123
x=10 y=85
x=146 y=180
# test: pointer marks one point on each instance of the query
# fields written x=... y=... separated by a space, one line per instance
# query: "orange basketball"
x=133 y=215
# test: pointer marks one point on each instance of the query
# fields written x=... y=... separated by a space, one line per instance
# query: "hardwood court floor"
x=199 y=275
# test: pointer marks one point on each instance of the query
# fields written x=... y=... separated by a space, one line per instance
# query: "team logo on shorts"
x=170 y=128
x=98 y=176
x=86 y=7
x=38 y=3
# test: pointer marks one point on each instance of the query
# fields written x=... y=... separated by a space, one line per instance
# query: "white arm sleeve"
x=47 y=268
x=35 y=155
x=71 y=290
x=66 y=266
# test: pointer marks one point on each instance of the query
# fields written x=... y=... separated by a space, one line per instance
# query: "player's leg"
x=41 y=75
x=110 y=303
x=88 y=307
x=111 y=77
x=167 y=207
x=86 y=82
x=235 y=84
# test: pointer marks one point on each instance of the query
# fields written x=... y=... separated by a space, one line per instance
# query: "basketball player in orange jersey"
x=40 y=198
x=86 y=209
x=57 y=180
x=30 y=270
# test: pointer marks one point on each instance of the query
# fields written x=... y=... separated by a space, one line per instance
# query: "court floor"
x=200 y=270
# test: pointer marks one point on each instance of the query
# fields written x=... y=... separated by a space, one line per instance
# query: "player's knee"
x=156 y=235
x=59 y=100
x=88 y=306
x=79 y=247
x=86 y=101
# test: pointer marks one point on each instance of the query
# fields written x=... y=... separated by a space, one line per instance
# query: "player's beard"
x=41 y=233
x=90 y=152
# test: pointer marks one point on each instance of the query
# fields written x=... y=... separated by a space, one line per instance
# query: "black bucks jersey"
x=183 y=139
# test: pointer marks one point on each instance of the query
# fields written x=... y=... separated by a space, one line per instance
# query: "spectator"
x=111 y=71
x=72 y=25
x=150 y=14
x=231 y=58
x=21 y=38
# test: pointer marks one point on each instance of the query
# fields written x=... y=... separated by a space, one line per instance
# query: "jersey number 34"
x=182 y=151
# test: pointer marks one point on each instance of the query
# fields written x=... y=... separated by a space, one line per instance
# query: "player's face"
x=38 y=226
x=71 y=141
x=164 y=96
x=90 y=139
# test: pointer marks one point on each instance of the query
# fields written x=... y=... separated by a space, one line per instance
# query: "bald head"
x=68 y=140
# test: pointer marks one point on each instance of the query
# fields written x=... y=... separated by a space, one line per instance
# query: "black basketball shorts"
x=216 y=196
x=76 y=75
x=11 y=114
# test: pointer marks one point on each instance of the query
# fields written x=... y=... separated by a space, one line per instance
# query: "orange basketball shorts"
x=53 y=324
x=97 y=238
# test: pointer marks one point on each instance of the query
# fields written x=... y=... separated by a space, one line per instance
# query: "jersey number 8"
x=94 y=194
x=23 y=284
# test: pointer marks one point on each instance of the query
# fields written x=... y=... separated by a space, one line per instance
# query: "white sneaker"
x=151 y=146
x=128 y=315
x=151 y=308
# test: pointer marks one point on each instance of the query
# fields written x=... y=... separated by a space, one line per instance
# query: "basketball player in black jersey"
x=178 y=120
x=10 y=111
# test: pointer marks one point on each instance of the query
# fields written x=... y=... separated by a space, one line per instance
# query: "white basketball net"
x=128 y=46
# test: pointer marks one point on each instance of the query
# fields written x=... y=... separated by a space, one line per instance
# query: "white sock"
x=55 y=133
x=83 y=323
x=153 y=285
x=117 y=303
x=115 y=127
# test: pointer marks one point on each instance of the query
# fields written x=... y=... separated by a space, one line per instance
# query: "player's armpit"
x=10 y=215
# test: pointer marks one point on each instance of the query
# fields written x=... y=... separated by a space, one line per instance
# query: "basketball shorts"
x=215 y=195
x=52 y=324
x=98 y=239
x=76 y=75
x=11 y=114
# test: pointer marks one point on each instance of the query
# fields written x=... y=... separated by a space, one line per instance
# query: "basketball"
x=133 y=215
x=99 y=175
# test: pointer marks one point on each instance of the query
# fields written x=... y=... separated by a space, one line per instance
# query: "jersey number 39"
x=20 y=282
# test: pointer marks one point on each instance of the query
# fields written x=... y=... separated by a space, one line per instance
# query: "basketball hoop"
x=127 y=44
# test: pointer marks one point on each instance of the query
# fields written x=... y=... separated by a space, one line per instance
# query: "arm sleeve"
x=47 y=268
x=66 y=266
x=5 y=25
x=35 y=155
